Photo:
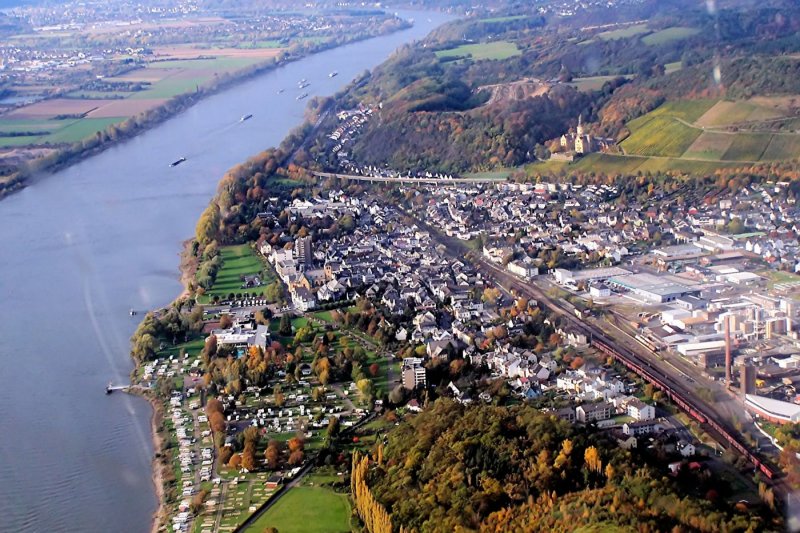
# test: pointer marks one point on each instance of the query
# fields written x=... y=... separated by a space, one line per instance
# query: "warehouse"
x=651 y=288
x=573 y=277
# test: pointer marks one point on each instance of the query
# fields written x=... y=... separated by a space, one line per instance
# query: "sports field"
x=238 y=261
x=307 y=510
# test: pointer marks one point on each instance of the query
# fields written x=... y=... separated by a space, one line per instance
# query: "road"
x=401 y=179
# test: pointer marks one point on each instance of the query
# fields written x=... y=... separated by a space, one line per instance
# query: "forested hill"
x=456 y=468
x=490 y=90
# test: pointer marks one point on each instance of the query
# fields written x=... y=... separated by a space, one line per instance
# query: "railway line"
x=677 y=392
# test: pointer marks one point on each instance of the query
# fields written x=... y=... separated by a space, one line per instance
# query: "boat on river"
x=177 y=162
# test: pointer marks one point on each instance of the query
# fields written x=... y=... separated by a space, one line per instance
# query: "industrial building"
x=652 y=288
x=775 y=411
x=573 y=277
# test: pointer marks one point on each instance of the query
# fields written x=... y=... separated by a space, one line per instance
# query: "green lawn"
x=238 y=261
x=669 y=35
x=777 y=277
x=623 y=33
x=669 y=68
x=493 y=50
x=307 y=510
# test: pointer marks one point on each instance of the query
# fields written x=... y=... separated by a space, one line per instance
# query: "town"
x=350 y=307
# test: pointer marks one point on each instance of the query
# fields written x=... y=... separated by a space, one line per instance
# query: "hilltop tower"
x=579 y=131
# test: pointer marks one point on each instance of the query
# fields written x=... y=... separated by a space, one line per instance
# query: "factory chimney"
x=728 y=363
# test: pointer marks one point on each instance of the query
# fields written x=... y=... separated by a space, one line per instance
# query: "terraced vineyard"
x=707 y=130
x=659 y=136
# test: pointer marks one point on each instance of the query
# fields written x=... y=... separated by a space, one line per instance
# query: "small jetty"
x=110 y=388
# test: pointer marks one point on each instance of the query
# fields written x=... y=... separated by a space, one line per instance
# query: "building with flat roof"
x=414 y=374
x=652 y=288
x=564 y=276
x=776 y=411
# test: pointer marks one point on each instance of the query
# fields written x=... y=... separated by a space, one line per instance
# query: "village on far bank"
x=348 y=311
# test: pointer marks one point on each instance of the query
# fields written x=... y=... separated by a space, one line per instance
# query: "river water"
x=78 y=249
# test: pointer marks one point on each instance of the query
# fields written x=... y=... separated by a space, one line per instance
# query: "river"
x=78 y=249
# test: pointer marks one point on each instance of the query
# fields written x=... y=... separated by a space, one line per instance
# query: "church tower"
x=579 y=131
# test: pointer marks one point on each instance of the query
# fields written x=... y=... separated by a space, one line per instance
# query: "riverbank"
x=136 y=125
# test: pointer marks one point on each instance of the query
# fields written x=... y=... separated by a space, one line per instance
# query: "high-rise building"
x=414 y=374
x=302 y=250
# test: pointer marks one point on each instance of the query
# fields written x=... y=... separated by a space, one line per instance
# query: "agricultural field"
x=619 y=164
x=710 y=145
x=80 y=130
x=593 y=83
x=53 y=131
x=726 y=112
x=478 y=52
x=238 y=261
x=669 y=68
x=623 y=33
x=687 y=110
x=90 y=112
x=669 y=35
x=782 y=147
x=747 y=147
x=659 y=136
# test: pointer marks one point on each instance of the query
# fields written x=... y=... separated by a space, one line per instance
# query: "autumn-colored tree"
x=272 y=454
x=374 y=369
x=577 y=363
x=278 y=396
x=592 y=459
x=249 y=457
x=296 y=458
x=217 y=422
x=224 y=455
x=225 y=321
x=295 y=444
x=235 y=462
